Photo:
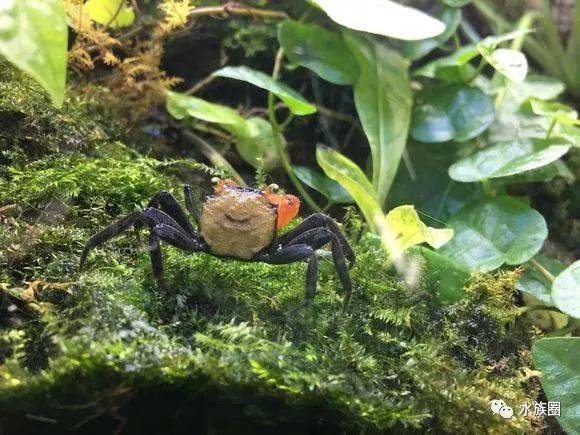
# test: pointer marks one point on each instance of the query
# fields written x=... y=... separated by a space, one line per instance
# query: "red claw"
x=288 y=206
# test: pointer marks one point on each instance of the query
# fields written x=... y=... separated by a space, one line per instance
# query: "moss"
x=31 y=128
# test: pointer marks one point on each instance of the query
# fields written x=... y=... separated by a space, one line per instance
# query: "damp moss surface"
x=224 y=351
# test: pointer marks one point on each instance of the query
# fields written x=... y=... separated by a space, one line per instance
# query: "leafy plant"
x=33 y=36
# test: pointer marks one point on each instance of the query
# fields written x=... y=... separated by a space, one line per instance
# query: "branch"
x=233 y=8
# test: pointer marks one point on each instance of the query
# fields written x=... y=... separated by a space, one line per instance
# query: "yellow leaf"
x=110 y=13
x=408 y=230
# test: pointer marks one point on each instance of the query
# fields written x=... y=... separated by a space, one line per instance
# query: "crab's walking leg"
x=319 y=220
x=149 y=217
x=156 y=256
x=292 y=254
x=314 y=239
x=165 y=201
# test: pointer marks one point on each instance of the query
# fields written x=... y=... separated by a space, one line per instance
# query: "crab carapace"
x=237 y=223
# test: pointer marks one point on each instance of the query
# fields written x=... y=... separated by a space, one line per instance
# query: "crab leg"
x=290 y=250
x=294 y=253
x=319 y=220
x=149 y=217
x=165 y=201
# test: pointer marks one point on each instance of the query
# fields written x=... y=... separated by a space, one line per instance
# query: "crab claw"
x=288 y=206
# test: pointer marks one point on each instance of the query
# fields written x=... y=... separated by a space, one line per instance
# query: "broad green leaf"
x=320 y=50
x=330 y=189
x=454 y=68
x=566 y=290
x=295 y=102
x=536 y=284
x=508 y=158
x=111 y=13
x=258 y=147
x=568 y=132
x=494 y=232
x=383 y=17
x=406 y=226
x=511 y=63
x=383 y=101
x=444 y=275
x=346 y=173
x=557 y=169
x=34 y=37
x=559 y=112
x=451 y=17
x=490 y=43
x=511 y=122
x=254 y=136
x=428 y=186
x=451 y=112
x=181 y=106
x=557 y=359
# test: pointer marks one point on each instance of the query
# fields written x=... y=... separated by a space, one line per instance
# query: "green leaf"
x=555 y=110
x=511 y=122
x=536 y=284
x=416 y=49
x=454 y=68
x=408 y=230
x=295 y=102
x=451 y=112
x=111 y=13
x=494 y=232
x=508 y=158
x=383 y=101
x=383 y=17
x=557 y=359
x=34 y=37
x=345 y=172
x=330 y=189
x=320 y=50
x=511 y=63
x=181 y=106
x=258 y=146
x=428 y=186
x=566 y=290
x=255 y=137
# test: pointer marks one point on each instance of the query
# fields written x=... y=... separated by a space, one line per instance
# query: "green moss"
x=30 y=127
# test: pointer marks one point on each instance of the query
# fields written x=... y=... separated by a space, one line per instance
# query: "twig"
x=542 y=270
x=41 y=419
x=214 y=156
x=233 y=8
x=284 y=157
x=200 y=84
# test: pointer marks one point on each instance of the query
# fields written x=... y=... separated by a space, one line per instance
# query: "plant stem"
x=214 y=156
x=551 y=128
x=233 y=8
x=542 y=270
x=277 y=130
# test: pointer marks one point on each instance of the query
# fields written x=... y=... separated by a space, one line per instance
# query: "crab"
x=237 y=223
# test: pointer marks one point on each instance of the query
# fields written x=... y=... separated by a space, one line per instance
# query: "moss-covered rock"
x=224 y=351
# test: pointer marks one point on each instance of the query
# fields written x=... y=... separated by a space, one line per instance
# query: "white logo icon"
x=498 y=406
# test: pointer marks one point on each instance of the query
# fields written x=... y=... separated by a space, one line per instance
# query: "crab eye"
x=273 y=188
x=215 y=181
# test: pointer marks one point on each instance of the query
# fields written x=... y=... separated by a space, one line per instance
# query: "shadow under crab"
x=237 y=223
